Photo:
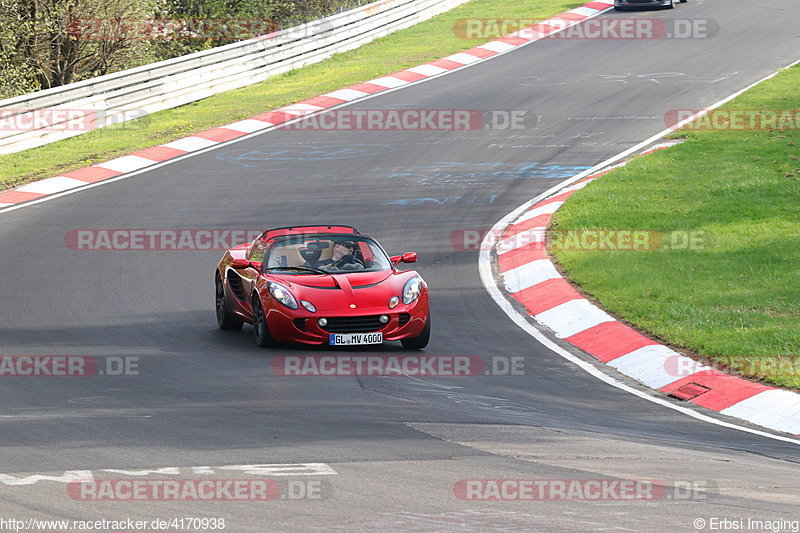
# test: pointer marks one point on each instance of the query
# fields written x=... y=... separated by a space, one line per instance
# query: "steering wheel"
x=347 y=260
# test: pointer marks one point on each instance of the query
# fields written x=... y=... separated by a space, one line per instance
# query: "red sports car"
x=322 y=285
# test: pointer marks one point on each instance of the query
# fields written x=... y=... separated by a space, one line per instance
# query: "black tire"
x=420 y=342
x=619 y=8
x=264 y=338
x=671 y=4
x=225 y=319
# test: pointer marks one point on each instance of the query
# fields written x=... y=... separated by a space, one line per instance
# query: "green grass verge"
x=423 y=42
x=736 y=299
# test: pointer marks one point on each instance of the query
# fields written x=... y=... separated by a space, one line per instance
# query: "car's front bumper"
x=300 y=326
x=641 y=3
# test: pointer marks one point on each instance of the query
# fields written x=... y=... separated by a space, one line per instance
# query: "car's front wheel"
x=225 y=319
x=264 y=338
x=418 y=343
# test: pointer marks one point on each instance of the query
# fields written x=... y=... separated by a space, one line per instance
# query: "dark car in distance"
x=621 y=5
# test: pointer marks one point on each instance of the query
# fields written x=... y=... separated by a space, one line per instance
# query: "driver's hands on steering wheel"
x=348 y=260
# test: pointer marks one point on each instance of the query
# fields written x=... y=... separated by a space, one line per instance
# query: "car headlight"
x=308 y=305
x=412 y=289
x=282 y=294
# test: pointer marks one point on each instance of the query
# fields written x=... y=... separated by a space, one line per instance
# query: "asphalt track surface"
x=204 y=397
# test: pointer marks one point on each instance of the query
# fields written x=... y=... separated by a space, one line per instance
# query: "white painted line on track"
x=761 y=409
x=51 y=185
x=248 y=125
x=496 y=46
x=189 y=144
x=572 y=317
x=466 y=59
x=638 y=364
x=390 y=82
x=527 y=275
x=266 y=469
x=547 y=209
x=346 y=94
x=523 y=238
x=301 y=109
x=427 y=70
x=126 y=163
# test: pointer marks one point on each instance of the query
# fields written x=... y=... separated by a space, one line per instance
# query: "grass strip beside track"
x=426 y=41
x=735 y=298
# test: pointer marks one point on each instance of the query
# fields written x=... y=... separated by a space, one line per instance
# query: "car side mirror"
x=408 y=257
x=244 y=263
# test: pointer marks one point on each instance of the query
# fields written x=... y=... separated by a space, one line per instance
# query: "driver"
x=311 y=256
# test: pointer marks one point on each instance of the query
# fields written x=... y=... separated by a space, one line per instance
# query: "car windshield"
x=325 y=254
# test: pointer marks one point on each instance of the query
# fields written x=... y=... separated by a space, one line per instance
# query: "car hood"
x=343 y=291
x=355 y=280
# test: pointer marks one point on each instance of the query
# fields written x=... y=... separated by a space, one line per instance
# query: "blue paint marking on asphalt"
x=268 y=156
x=443 y=200
x=433 y=172
x=415 y=201
x=490 y=170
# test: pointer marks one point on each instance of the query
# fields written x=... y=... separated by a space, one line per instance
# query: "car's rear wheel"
x=420 y=342
x=671 y=4
x=264 y=338
x=619 y=8
x=225 y=319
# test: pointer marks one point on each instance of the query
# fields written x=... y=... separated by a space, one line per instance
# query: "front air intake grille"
x=300 y=323
x=353 y=324
x=404 y=318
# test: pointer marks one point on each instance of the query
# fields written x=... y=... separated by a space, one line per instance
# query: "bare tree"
x=68 y=40
x=17 y=75
x=49 y=43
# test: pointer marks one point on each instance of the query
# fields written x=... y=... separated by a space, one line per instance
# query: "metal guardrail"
x=79 y=107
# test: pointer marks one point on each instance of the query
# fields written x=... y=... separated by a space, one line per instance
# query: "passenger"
x=343 y=257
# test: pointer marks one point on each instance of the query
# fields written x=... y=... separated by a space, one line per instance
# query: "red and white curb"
x=529 y=277
x=270 y=120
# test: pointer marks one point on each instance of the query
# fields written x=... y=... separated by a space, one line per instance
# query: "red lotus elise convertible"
x=322 y=285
